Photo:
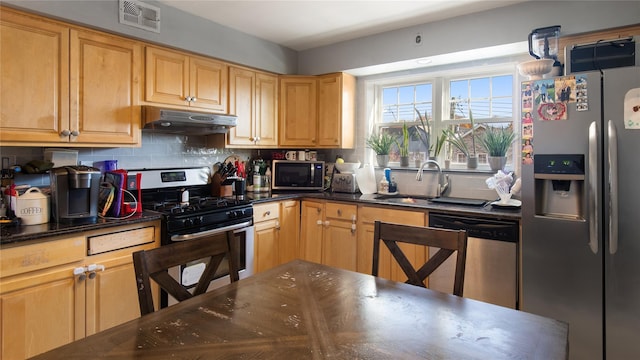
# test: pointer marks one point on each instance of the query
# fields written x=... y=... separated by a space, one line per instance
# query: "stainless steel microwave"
x=297 y=175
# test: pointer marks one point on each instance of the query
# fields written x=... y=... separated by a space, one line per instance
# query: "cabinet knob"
x=257 y=138
x=193 y=99
x=319 y=222
x=267 y=213
x=339 y=212
x=353 y=228
x=327 y=223
x=65 y=132
x=75 y=133
x=319 y=210
x=277 y=225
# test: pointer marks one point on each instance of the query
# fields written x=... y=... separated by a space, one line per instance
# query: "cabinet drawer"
x=25 y=258
x=340 y=211
x=370 y=215
x=120 y=240
x=264 y=212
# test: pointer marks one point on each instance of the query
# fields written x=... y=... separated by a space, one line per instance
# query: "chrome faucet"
x=443 y=179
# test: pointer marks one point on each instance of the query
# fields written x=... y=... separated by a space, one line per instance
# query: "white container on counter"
x=366 y=179
x=32 y=207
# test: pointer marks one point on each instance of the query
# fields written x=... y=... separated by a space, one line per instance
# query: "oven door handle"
x=211 y=232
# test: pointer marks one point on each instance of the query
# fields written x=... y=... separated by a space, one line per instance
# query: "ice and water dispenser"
x=559 y=186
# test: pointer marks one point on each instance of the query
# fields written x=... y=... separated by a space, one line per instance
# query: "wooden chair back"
x=448 y=242
x=154 y=263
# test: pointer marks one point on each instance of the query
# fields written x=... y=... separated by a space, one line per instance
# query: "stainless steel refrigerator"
x=581 y=212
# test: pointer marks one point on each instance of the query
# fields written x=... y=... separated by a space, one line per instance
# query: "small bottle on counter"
x=257 y=180
x=393 y=186
x=384 y=186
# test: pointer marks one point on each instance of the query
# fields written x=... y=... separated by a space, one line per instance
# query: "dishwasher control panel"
x=478 y=227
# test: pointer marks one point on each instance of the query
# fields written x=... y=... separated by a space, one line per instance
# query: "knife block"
x=218 y=188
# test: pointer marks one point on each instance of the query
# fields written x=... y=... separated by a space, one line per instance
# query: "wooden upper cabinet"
x=105 y=85
x=253 y=97
x=61 y=85
x=34 y=86
x=180 y=79
x=336 y=110
x=317 y=111
x=298 y=111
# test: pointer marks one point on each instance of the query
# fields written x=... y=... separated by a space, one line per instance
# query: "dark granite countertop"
x=370 y=199
x=12 y=234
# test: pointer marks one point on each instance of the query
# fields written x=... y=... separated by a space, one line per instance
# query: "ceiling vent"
x=141 y=15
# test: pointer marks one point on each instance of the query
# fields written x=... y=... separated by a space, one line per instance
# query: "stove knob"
x=197 y=220
x=188 y=223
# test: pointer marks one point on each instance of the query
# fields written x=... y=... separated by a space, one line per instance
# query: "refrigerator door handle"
x=613 y=187
x=593 y=204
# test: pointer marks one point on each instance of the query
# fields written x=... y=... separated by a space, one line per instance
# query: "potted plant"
x=497 y=142
x=381 y=144
x=457 y=140
x=404 y=146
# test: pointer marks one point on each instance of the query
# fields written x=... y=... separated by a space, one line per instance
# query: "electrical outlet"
x=417 y=40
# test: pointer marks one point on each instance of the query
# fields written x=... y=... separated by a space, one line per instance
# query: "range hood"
x=186 y=122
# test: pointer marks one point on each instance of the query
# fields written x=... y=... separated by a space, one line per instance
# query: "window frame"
x=441 y=105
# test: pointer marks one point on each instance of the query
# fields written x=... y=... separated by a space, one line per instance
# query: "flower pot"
x=383 y=160
x=447 y=164
x=497 y=162
x=404 y=161
x=472 y=162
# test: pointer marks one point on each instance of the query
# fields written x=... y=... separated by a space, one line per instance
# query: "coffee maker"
x=74 y=194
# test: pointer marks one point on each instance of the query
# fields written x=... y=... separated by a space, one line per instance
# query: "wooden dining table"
x=304 y=310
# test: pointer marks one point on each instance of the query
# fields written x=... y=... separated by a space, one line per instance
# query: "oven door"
x=189 y=274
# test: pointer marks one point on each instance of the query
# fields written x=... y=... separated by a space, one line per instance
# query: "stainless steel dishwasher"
x=491 y=273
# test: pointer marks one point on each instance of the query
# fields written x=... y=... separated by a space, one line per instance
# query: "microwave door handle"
x=211 y=232
x=313 y=173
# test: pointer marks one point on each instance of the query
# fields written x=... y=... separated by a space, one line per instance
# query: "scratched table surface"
x=303 y=310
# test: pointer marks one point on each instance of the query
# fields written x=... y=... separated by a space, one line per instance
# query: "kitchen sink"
x=405 y=198
x=459 y=201
x=402 y=196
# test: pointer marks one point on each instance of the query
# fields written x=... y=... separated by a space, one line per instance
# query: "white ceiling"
x=306 y=24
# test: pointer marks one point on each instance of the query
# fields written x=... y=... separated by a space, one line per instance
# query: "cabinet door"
x=34 y=73
x=298 y=111
x=41 y=317
x=289 y=248
x=329 y=110
x=266 y=109
x=166 y=77
x=242 y=84
x=208 y=84
x=111 y=295
x=266 y=245
x=105 y=85
x=388 y=268
x=340 y=245
x=311 y=230
x=336 y=111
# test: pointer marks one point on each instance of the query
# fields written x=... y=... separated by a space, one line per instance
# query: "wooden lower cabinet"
x=388 y=267
x=50 y=296
x=328 y=233
x=276 y=229
x=289 y=241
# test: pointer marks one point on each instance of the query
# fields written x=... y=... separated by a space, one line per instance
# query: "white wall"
x=507 y=25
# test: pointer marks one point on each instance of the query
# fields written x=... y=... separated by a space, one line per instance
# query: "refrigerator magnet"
x=632 y=109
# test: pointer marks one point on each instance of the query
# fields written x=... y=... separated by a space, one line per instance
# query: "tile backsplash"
x=158 y=150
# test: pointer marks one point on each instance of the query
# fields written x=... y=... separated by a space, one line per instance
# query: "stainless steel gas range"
x=182 y=195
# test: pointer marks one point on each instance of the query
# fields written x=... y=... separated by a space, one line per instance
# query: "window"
x=431 y=106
